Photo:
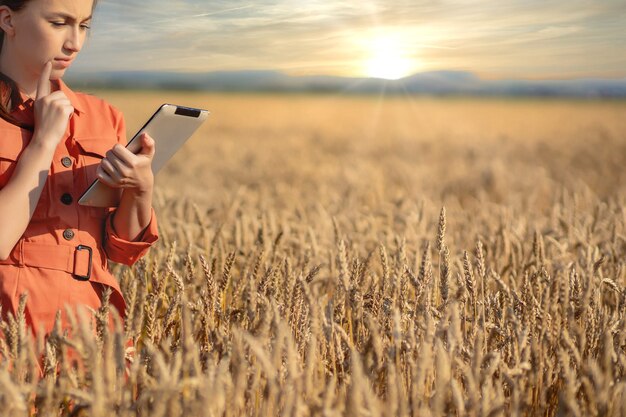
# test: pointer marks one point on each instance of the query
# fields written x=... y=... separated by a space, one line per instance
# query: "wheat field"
x=334 y=255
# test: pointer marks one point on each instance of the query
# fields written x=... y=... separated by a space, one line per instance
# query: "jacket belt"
x=77 y=260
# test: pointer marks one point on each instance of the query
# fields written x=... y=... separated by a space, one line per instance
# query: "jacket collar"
x=71 y=95
x=58 y=84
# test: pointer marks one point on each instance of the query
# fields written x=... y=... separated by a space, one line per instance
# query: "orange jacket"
x=48 y=261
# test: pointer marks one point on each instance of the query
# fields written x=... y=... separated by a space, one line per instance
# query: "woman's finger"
x=43 y=85
x=147 y=146
x=110 y=170
x=104 y=177
x=124 y=155
x=122 y=168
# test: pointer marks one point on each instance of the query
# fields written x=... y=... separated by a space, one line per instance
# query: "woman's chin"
x=57 y=73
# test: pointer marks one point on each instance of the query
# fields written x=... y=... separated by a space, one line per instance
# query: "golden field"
x=331 y=255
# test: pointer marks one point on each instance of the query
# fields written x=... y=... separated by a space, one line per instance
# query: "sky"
x=530 y=39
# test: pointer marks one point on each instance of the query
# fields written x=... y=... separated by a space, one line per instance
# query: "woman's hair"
x=9 y=91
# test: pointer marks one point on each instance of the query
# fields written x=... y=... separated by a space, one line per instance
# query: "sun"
x=388 y=58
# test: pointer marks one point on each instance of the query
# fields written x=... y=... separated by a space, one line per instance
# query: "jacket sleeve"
x=117 y=249
x=129 y=251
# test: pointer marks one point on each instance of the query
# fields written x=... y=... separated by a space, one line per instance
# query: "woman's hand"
x=123 y=169
x=52 y=111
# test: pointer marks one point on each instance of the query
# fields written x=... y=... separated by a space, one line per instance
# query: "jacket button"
x=68 y=234
x=66 y=161
x=66 y=199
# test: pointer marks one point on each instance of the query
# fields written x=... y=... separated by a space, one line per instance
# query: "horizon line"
x=478 y=75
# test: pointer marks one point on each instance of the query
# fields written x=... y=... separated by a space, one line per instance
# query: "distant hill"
x=431 y=83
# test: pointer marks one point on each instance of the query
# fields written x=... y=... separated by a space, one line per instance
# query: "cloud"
x=533 y=37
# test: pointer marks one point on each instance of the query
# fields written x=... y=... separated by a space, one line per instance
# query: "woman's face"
x=47 y=30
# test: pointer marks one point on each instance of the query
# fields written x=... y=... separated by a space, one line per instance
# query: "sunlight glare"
x=388 y=58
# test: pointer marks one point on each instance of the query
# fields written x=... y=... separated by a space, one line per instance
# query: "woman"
x=53 y=144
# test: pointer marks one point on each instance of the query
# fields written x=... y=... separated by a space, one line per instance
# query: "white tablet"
x=170 y=127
